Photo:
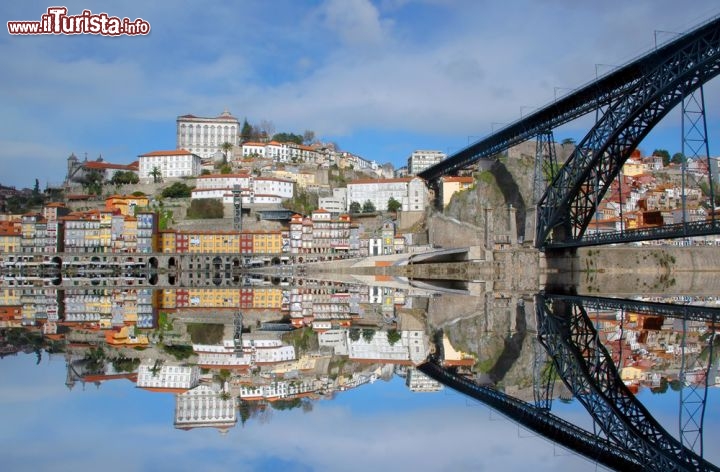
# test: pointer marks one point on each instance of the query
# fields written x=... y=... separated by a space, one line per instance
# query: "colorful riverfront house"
x=10 y=236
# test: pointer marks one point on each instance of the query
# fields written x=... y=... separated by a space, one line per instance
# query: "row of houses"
x=124 y=226
x=57 y=229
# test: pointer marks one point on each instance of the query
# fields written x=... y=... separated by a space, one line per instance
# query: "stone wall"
x=448 y=232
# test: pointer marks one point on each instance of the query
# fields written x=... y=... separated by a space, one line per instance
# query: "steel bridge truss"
x=546 y=164
x=569 y=203
x=589 y=372
x=672 y=231
x=538 y=420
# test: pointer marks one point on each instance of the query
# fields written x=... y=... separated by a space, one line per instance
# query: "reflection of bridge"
x=630 y=437
x=628 y=103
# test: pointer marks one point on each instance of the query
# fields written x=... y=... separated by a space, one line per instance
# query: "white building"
x=253 y=149
x=204 y=136
x=152 y=374
x=203 y=407
x=336 y=204
x=421 y=160
x=225 y=181
x=271 y=355
x=171 y=164
x=276 y=390
x=335 y=339
x=254 y=190
x=416 y=381
x=221 y=356
x=411 y=192
x=412 y=348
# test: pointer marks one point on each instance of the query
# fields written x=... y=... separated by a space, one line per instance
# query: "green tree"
x=246 y=132
x=226 y=147
x=124 y=177
x=664 y=154
x=368 y=207
x=393 y=336
x=37 y=198
x=393 y=205
x=95 y=360
x=567 y=141
x=678 y=158
x=368 y=334
x=355 y=207
x=288 y=138
x=226 y=169
x=354 y=334
x=156 y=174
x=662 y=388
x=177 y=190
x=93 y=182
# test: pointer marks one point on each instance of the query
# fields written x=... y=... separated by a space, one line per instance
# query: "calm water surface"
x=346 y=398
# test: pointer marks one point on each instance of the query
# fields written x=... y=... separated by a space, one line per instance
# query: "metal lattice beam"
x=588 y=370
x=546 y=165
x=568 y=206
x=586 y=99
x=693 y=395
x=539 y=421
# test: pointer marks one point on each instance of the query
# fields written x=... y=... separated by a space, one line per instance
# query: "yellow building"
x=632 y=373
x=634 y=167
x=267 y=242
x=127 y=203
x=267 y=297
x=10 y=236
x=167 y=240
x=450 y=185
x=130 y=231
x=168 y=299
x=213 y=242
x=214 y=298
x=9 y=296
x=302 y=179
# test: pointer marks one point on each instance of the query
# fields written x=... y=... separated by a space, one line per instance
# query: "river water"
x=310 y=375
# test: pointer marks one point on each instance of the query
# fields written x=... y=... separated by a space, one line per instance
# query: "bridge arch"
x=567 y=207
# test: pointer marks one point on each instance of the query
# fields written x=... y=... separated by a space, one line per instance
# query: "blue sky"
x=374 y=427
x=381 y=78
x=377 y=426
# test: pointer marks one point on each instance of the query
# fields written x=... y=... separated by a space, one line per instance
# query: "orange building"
x=127 y=204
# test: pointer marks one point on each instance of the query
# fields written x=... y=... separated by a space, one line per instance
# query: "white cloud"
x=338 y=68
x=356 y=22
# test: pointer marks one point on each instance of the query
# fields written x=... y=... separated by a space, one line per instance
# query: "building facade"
x=411 y=192
x=421 y=160
x=205 y=136
x=170 y=164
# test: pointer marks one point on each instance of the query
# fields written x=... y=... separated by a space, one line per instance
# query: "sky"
x=380 y=78
x=378 y=426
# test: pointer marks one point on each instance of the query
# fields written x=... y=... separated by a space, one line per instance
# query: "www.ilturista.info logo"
x=57 y=21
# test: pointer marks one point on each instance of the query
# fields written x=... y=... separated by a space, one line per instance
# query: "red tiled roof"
x=462 y=180
x=106 y=165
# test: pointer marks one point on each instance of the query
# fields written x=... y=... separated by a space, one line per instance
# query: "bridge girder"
x=589 y=372
x=568 y=205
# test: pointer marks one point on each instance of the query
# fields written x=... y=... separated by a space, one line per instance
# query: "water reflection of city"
x=228 y=354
